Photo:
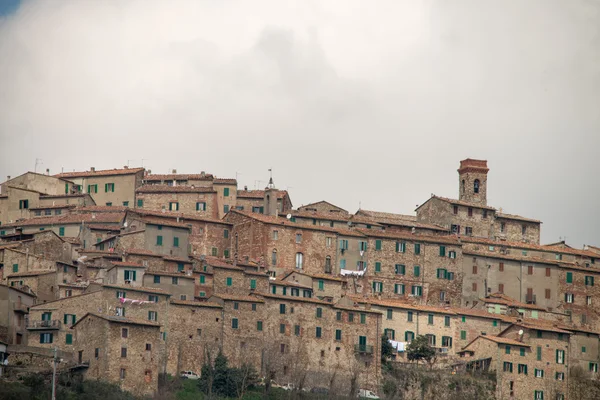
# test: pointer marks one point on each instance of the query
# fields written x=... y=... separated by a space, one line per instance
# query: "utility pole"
x=54 y=375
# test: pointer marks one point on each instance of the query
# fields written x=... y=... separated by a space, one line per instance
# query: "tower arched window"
x=328 y=264
x=462 y=187
x=476 y=186
x=274 y=257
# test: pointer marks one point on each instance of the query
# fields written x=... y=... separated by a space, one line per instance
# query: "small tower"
x=472 y=181
x=270 y=199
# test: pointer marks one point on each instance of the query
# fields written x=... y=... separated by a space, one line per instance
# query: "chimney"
x=202 y=173
x=125 y=167
x=174 y=171
x=246 y=188
x=8 y=177
x=47 y=171
x=92 y=169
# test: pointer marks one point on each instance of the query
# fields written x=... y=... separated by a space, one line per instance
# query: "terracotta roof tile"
x=174 y=189
x=529 y=246
x=126 y=264
x=281 y=282
x=459 y=203
x=174 y=215
x=178 y=177
x=258 y=194
x=293 y=298
x=503 y=340
x=102 y=218
x=60 y=206
x=105 y=172
x=138 y=289
x=173 y=274
x=100 y=227
x=498 y=298
x=119 y=320
x=225 y=181
x=386 y=215
x=158 y=221
x=452 y=240
x=517 y=217
x=28 y=273
x=338 y=211
x=100 y=209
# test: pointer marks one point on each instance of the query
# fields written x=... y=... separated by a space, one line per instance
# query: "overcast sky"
x=354 y=102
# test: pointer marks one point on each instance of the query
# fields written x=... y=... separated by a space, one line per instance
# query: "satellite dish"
x=289 y=216
x=521 y=332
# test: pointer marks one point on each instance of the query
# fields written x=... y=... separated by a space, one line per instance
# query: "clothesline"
x=132 y=301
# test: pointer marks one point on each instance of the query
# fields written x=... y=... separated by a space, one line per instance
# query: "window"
x=538 y=394
x=318 y=332
x=417 y=270
x=593 y=367
x=253 y=306
x=124 y=333
x=446 y=320
x=92 y=188
x=122 y=374
x=569 y=297
x=530 y=270
x=560 y=376
x=321 y=284
x=522 y=369
x=416 y=290
x=399 y=288
x=23 y=204
x=569 y=277
x=377 y=287
x=140 y=203
x=588 y=300
x=583 y=349
x=417 y=248
x=45 y=338
x=474 y=286
x=236 y=305
x=343 y=244
x=400 y=269
x=430 y=319
x=589 y=281
x=297 y=330
x=363 y=318
x=234 y=323
x=455 y=229
x=446 y=341
x=501 y=267
x=153 y=298
x=226 y=192
x=455 y=209
x=441 y=273
x=274 y=257
x=175 y=280
x=338 y=335
x=159 y=240
x=409 y=316
x=152 y=315
x=469 y=231
x=350 y=317
x=319 y=312
x=282 y=309
x=61 y=231
x=176 y=242
x=282 y=328
x=342 y=264
x=474 y=269
x=229 y=281
x=252 y=283
x=109 y=187
x=328 y=265
x=560 y=356
x=378 y=244
x=69 y=319
x=96 y=353
x=200 y=206
x=362 y=246
x=430 y=339
x=522 y=352
x=377 y=266
x=298 y=238
x=338 y=316
x=129 y=275
x=409 y=336
x=389 y=313
x=523 y=229
x=299 y=260
x=328 y=242
x=121 y=294
x=214 y=252
x=507 y=367
x=501 y=287
x=390 y=334
x=452 y=254
x=484 y=213
x=470 y=211
x=463 y=335
x=400 y=247
x=123 y=352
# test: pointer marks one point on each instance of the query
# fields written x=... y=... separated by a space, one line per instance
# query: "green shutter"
x=417 y=270
x=229 y=281
x=539 y=353
x=463 y=335
x=378 y=244
x=202 y=279
x=69 y=338
x=159 y=240
x=252 y=283
x=377 y=267
x=15 y=267
x=61 y=231
x=442 y=251
x=134 y=275
x=175 y=242
x=226 y=192
x=321 y=285
x=569 y=277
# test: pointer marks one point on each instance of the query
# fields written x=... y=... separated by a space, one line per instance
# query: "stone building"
x=14 y=308
x=174 y=179
x=530 y=361
x=122 y=350
x=256 y=201
x=185 y=199
x=66 y=225
x=113 y=187
x=470 y=215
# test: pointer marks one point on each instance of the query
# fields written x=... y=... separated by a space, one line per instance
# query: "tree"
x=386 y=349
x=419 y=349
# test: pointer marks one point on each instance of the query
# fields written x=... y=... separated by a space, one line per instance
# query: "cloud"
x=353 y=102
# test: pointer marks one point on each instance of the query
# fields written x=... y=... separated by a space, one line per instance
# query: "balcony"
x=20 y=307
x=363 y=349
x=44 y=325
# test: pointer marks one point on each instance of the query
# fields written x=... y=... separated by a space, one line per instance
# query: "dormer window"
x=476 y=186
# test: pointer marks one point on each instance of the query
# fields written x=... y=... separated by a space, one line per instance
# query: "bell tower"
x=472 y=181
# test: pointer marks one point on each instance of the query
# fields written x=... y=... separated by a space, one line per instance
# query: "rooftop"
x=119 y=320
x=101 y=218
x=258 y=194
x=105 y=172
x=174 y=189
x=178 y=177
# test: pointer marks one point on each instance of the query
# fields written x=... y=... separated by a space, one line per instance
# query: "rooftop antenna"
x=37 y=162
x=271 y=185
